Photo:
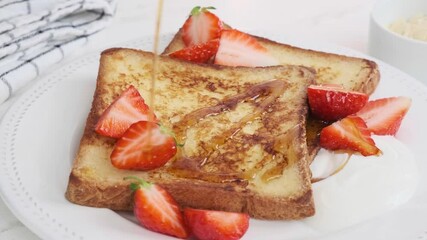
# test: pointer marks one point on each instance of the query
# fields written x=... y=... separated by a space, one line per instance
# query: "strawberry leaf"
x=138 y=184
x=208 y=8
x=195 y=11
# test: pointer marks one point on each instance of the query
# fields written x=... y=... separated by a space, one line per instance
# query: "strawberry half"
x=128 y=108
x=384 y=116
x=198 y=53
x=212 y=225
x=156 y=210
x=144 y=146
x=332 y=102
x=201 y=26
x=240 y=49
x=349 y=133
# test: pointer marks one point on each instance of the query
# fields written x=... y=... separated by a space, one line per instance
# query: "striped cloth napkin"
x=34 y=34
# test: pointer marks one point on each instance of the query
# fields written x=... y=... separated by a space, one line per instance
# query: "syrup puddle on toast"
x=218 y=151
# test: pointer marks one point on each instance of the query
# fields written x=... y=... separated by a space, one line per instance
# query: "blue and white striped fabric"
x=34 y=34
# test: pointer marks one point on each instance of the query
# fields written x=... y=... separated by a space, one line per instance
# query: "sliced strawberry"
x=144 y=146
x=198 y=53
x=332 y=102
x=210 y=225
x=349 y=133
x=240 y=49
x=384 y=116
x=156 y=210
x=201 y=26
x=128 y=108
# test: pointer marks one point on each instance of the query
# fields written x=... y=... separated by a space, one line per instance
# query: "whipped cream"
x=365 y=188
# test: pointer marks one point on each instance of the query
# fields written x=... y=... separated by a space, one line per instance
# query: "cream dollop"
x=365 y=188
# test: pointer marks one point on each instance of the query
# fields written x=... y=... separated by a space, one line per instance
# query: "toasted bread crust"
x=87 y=188
x=188 y=194
x=96 y=194
x=372 y=80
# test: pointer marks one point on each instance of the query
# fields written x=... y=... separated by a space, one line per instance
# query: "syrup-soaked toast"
x=355 y=74
x=242 y=130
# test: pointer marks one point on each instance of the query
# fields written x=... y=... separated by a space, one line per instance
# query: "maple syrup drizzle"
x=156 y=55
x=275 y=88
x=190 y=167
x=313 y=128
x=287 y=150
x=337 y=170
x=155 y=63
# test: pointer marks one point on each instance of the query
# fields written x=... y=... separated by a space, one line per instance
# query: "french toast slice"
x=354 y=74
x=242 y=130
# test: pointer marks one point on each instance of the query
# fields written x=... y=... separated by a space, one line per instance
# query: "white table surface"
x=337 y=22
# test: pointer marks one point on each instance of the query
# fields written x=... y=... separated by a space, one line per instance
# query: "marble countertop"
x=336 y=22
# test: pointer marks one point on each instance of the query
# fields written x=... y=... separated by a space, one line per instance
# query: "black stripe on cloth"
x=82 y=3
x=68 y=6
x=9 y=87
x=12 y=25
x=94 y=11
x=41 y=18
x=19 y=46
x=61 y=50
x=9 y=34
x=12 y=3
x=35 y=67
x=30 y=35
x=5 y=56
x=100 y=16
x=28 y=6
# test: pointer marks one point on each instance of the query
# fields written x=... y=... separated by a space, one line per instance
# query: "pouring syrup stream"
x=155 y=51
x=155 y=62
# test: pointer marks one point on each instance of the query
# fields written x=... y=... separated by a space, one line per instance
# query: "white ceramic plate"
x=41 y=132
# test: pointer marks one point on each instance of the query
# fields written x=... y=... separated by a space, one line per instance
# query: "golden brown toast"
x=243 y=131
x=355 y=74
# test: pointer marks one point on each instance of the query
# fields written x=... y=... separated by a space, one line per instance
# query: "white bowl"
x=402 y=52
